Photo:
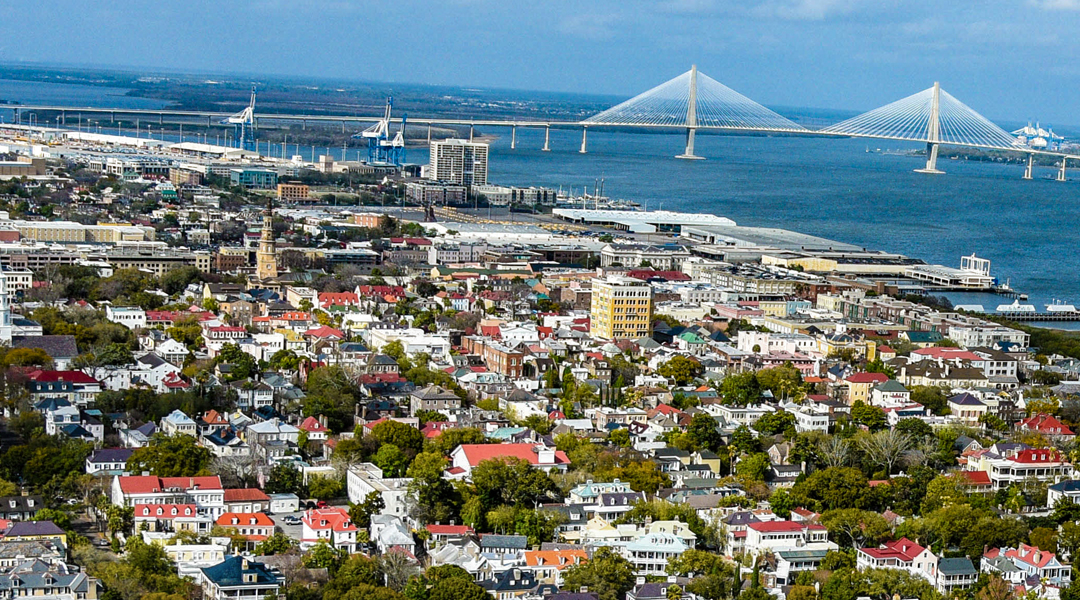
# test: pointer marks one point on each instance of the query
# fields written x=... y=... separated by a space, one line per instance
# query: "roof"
x=311 y=424
x=148 y=484
x=517 y=542
x=69 y=376
x=33 y=528
x=232 y=519
x=56 y=346
x=956 y=566
x=903 y=549
x=779 y=526
x=165 y=511
x=231 y=571
x=867 y=378
x=111 y=455
x=245 y=495
x=1047 y=424
x=477 y=453
x=436 y=529
x=334 y=518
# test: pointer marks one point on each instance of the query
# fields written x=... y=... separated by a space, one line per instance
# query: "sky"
x=1009 y=59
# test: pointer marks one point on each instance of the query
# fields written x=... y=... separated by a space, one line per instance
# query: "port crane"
x=381 y=147
x=244 y=123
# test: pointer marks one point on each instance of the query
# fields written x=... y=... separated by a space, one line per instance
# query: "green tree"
x=456 y=588
x=391 y=460
x=832 y=488
x=285 y=479
x=870 y=416
x=325 y=488
x=607 y=574
x=242 y=365
x=704 y=432
x=620 y=437
x=775 y=422
x=856 y=528
x=278 y=543
x=681 y=369
x=406 y=437
x=753 y=467
x=781 y=503
x=170 y=456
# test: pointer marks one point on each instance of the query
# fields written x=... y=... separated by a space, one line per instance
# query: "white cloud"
x=805 y=10
x=1056 y=4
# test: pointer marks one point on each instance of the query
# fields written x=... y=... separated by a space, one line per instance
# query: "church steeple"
x=266 y=257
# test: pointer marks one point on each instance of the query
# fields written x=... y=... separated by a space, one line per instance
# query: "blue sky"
x=1009 y=59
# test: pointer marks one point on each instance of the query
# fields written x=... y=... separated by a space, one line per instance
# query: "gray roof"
x=956 y=566
x=56 y=346
x=514 y=542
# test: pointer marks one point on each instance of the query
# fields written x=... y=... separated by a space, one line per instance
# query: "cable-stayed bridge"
x=694 y=101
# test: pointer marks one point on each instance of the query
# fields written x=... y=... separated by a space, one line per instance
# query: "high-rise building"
x=459 y=161
x=621 y=308
x=266 y=257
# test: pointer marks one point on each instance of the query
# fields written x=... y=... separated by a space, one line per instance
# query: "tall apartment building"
x=621 y=308
x=459 y=161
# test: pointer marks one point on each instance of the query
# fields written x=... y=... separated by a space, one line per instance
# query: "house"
x=177 y=422
x=440 y=535
x=171 y=518
x=510 y=584
x=246 y=500
x=955 y=574
x=206 y=493
x=21 y=531
x=467 y=456
x=273 y=439
x=649 y=553
x=548 y=565
x=20 y=508
x=138 y=437
x=78 y=387
x=1021 y=464
x=774 y=535
x=256 y=527
x=967 y=409
x=316 y=429
x=1067 y=490
x=434 y=398
x=38 y=579
x=1032 y=562
x=901 y=554
x=190 y=558
x=331 y=524
x=503 y=545
x=366 y=478
x=108 y=461
x=860 y=384
x=237 y=577
x=389 y=532
x=1046 y=425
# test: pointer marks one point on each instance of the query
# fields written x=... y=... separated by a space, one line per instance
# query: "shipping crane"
x=244 y=124
x=381 y=147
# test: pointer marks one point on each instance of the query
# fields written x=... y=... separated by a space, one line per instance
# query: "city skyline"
x=999 y=57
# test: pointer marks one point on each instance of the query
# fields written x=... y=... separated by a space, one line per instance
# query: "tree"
x=406 y=437
x=681 y=369
x=607 y=573
x=753 y=467
x=942 y=491
x=457 y=588
x=860 y=528
x=781 y=503
x=916 y=429
x=513 y=482
x=284 y=479
x=932 y=397
x=284 y=360
x=870 y=416
x=620 y=437
x=775 y=422
x=885 y=448
x=242 y=365
x=278 y=543
x=501 y=518
x=1044 y=539
x=740 y=389
x=325 y=487
x=396 y=568
x=391 y=460
x=832 y=488
x=705 y=433
x=170 y=456
x=834 y=451
x=538 y=525
x=782 y=380
x=996 y=588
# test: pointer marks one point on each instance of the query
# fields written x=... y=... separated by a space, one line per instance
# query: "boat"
x=1060 y=307
x=1015 y=307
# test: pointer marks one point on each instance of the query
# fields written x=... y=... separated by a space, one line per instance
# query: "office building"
x=459 y=161
x=621 y=308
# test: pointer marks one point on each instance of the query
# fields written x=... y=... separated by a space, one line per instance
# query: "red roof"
x=778 y=526
x=947 y=353
x=867 y=378
x=333 y=518
x=478 y=453
x=651 y=274
x=148 y=484
x=245 y=495
x=902 y=549
x=236 y=519
x=436 y=529
x=312 y=425
x=325 y=332
x=976 y=477
x=68 y=376
x=1038 y=455
x=1045 y=424
x=338 y=299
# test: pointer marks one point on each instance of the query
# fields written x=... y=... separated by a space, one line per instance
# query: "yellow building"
x=292 y=192
x=621 y=308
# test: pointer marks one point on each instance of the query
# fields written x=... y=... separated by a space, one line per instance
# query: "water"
x=827 y=187
x=64 y=94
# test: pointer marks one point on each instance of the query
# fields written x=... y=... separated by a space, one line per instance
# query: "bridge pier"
x=63 y=117
x=1030 y=168
x=472 y=130
x=1061 y=173
x=429 y=133
x=931 y=160
x=547 y=138
x=688 y=154
x=584 y=138
x=513 y=137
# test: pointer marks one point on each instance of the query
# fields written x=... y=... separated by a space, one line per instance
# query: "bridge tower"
x=1061 y=173
x=691 y=119
x=933 y=133
x=1029 y=170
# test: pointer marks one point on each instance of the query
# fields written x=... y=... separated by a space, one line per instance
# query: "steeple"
x=266 y=257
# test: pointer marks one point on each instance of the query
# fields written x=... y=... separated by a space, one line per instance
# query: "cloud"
x=1056 y=4
x=590 y=26
x=806 y=10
